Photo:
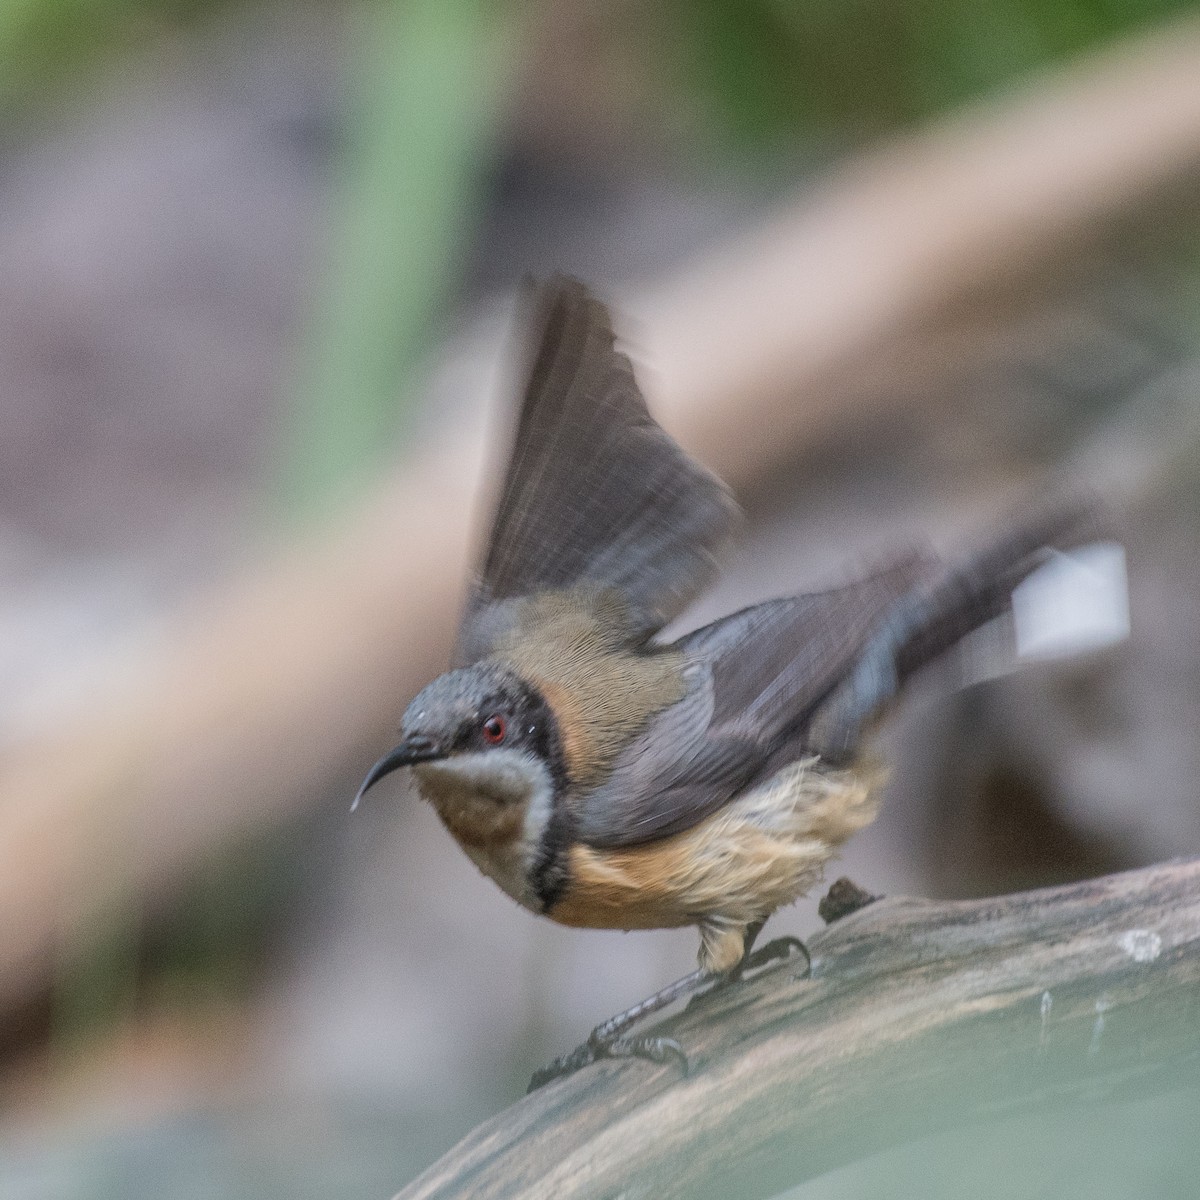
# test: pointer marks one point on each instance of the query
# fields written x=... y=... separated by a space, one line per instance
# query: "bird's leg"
x=750 y=937
x=610 y=1040
x=774 y=951
x=836 y=729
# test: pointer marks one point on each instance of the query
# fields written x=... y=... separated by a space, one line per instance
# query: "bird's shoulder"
x=602 y=689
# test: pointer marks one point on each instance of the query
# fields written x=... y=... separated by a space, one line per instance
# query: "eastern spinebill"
x=608 y=779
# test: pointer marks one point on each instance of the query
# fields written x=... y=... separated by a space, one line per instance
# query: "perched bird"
x=606 y=779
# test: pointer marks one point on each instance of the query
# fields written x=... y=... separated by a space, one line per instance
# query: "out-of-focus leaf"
x=775 y=70
x=429 y=77
x=44 y=43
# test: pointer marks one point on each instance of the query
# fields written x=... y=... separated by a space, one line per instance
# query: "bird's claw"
x=654 y=1049
x=778 y=950
x=610 y=1041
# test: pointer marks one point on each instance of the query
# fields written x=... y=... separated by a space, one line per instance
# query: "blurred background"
x=885 y=266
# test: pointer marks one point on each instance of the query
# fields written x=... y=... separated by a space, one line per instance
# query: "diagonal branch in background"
x=266 y=693
x=894 y=240
x=918 y=1016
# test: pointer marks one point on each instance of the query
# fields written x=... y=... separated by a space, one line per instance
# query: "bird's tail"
x=937 y=613
x=978 y=586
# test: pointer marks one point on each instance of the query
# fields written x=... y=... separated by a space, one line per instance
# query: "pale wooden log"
x=918 y=1016
x=256 y=700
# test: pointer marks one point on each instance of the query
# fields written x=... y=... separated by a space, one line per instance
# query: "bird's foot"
x=778 y=950
x=653 y=1049
x=611 y=1039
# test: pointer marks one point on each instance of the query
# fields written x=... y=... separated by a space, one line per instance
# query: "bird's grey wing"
x=596 y=494
x=672 y=776
x=764 y=680
x=773 y=663
x=754 y=678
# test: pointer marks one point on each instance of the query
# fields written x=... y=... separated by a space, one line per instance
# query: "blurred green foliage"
x=44 y=43
x=776 y=69
x=770 y=68
x=423 y=85
x=427 y=83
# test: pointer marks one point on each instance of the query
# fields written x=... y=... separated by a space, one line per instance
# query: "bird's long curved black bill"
x=412 y=750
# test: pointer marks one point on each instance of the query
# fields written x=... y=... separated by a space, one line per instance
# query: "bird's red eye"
x=494 y=729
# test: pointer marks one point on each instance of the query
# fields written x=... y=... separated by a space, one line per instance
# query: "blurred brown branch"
x=899 y=239
x=918 y=1016
x=229 y=725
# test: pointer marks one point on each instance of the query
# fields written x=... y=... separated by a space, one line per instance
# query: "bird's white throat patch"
x=496 y=803
x=502 y=776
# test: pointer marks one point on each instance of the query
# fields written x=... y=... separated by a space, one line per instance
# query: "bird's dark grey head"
x=476 y=709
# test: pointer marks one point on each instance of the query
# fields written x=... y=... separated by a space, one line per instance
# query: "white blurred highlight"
x=1077 y=602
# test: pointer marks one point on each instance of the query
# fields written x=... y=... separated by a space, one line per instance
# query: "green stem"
x=431 y=75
